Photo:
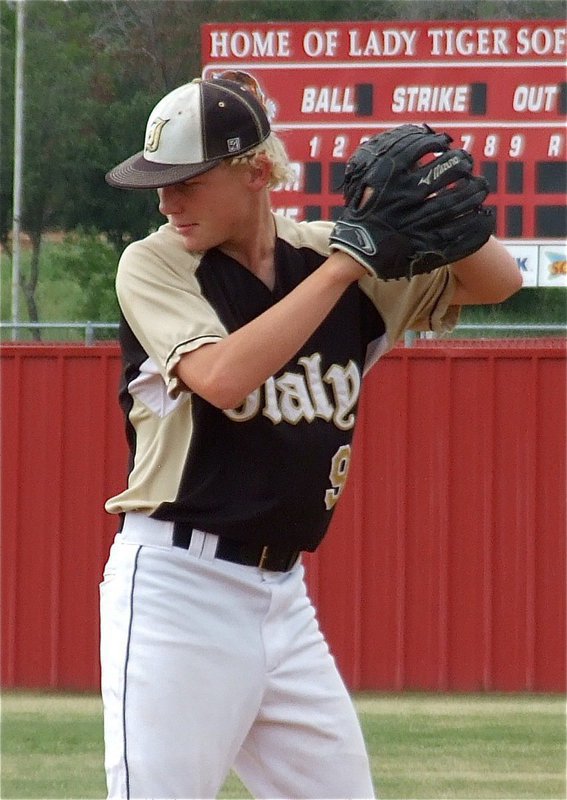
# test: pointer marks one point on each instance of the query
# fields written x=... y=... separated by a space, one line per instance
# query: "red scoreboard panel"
x=498 y=87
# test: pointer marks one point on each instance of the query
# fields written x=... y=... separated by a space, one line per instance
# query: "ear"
x=260 y=173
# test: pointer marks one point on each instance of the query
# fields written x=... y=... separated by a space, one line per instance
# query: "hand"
x=405 y=216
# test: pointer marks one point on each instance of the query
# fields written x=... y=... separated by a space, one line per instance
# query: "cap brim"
x=138 y=173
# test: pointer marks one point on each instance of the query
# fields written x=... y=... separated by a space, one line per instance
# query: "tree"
x=7 y=58
x=56 y=85
x=143 y=49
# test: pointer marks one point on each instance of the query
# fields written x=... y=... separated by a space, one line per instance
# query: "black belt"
x=274 y=558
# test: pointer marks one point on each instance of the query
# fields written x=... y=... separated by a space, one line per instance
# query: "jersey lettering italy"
x=294 y=397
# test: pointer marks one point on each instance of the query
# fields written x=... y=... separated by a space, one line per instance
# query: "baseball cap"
x=191 y=130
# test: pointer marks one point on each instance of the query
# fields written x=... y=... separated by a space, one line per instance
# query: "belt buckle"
x=263 y=557
x=282 y=565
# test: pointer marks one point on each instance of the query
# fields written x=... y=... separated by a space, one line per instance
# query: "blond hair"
x=272 y=149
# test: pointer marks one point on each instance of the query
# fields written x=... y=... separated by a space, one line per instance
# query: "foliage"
x=89 y=261
x=56 y=87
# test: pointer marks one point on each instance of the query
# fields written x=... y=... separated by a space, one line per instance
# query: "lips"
x=186 y=228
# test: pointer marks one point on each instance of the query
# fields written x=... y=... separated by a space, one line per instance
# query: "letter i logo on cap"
x=154 y=135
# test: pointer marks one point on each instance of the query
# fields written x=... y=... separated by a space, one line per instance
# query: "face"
x=209 y=210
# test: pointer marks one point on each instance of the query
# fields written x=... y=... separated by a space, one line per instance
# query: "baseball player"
x=245 y=338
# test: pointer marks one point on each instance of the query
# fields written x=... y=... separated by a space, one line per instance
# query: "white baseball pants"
x=208 y=666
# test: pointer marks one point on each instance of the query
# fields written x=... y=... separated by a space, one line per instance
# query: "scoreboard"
x=497 y=87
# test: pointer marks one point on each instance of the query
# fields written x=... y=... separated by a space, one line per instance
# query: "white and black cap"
x=190 y=131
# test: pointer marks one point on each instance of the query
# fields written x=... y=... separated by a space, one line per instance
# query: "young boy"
x=245 y=339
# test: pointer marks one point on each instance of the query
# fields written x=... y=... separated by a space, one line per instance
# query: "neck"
x=254 y=245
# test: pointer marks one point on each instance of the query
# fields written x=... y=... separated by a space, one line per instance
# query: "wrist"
x=345 y=267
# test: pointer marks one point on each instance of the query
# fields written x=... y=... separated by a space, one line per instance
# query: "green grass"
x=421 y=746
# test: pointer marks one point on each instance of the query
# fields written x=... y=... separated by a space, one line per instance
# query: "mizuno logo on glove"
x=438 y=170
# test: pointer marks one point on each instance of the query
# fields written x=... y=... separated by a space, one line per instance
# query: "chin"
x=193 y=242
x=199 y=244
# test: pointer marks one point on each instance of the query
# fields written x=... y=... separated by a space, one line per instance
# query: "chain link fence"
x=91 y=333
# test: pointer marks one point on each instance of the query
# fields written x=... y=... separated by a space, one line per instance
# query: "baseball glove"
x=425 y=205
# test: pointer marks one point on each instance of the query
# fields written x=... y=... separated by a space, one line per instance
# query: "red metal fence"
x=445 y=565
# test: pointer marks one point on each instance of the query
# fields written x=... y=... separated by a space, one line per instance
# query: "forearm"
x=490 y=275
x=225 y=372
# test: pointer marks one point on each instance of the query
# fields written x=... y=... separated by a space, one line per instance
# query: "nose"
x=169 y=199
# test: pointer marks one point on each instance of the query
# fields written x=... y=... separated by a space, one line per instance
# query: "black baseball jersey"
x=272 y=470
